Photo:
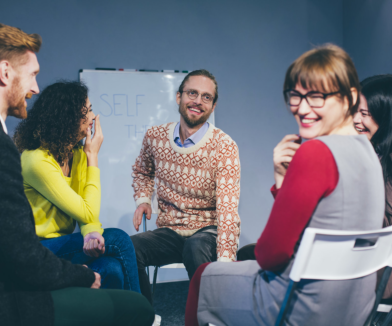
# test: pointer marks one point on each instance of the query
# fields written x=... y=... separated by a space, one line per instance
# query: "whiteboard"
x=128 y=104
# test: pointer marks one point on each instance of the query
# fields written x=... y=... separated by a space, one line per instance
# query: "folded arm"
x=312 y=175
x=144 y=173
x=45 y=176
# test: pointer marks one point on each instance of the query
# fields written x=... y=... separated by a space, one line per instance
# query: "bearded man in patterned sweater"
x=196 y=168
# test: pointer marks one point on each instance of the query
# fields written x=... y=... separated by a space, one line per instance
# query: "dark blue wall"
x=367 y=35
x=248 y=45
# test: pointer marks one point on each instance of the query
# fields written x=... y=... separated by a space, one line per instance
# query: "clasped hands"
x=94 y=244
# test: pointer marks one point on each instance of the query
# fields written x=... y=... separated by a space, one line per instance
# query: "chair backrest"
x=341 y=255
x=154 y=208
x=154 y=202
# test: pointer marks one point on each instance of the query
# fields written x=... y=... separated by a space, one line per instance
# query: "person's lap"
x=117 y=265
x=158 y=247
x=227 y=294
x=164 y=246
x=84 y=307
x=198 y=249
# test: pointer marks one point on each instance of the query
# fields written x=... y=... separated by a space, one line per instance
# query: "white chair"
x=358 y=254
x=155 y=210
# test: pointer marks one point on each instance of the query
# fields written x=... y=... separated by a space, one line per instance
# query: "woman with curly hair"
x=62 y=183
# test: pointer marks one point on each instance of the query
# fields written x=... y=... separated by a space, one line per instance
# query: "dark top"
x=28 y=270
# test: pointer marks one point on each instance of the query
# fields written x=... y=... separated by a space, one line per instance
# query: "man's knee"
x=137 y=241
x=198 y=249
x=202 y=243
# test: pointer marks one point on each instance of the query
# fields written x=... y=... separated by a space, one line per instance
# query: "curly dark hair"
x=54 y=120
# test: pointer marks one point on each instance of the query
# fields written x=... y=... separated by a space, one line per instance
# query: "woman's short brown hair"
x=327 y=68
x=14 y=43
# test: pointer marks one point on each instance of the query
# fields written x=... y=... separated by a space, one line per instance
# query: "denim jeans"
x=164 y=246
x=117 y=266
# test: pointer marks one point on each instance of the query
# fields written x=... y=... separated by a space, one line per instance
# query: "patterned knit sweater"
x=197 y=186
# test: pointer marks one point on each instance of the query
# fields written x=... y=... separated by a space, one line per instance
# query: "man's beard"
x=182 y=109
x=16 y=102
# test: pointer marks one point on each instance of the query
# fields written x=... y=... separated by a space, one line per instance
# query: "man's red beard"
x=16 y=103
x=183 y=110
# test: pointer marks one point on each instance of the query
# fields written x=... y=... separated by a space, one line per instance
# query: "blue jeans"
x=117 y=266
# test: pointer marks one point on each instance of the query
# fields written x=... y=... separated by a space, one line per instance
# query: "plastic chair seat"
x=176 y=265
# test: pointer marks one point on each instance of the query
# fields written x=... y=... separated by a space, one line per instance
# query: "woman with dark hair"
x=321 y=90
x=62 y=183
x=374 y=119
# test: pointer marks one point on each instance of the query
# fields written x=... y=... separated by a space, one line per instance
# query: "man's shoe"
x=157 y=320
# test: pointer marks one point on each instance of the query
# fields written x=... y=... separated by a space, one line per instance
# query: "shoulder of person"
x=223 y=139
x=34 y=159
x=311 y=152
x=8 y=150
x=155 y=131
x=6 y=141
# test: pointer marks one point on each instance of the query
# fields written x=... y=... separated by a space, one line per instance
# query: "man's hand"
x=97 y=282
x=283 y=154
x=94 y=244
x=138 y=215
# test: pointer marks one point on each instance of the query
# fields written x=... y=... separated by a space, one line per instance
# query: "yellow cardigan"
x=58 y=201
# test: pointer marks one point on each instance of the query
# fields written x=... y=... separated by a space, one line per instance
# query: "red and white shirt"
x=197 y=186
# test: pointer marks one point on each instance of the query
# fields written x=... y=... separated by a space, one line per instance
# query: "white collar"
x=3 y=124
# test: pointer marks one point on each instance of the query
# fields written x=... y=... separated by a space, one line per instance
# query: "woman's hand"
x=92 y=146
x=283 y=154
x=94 y=244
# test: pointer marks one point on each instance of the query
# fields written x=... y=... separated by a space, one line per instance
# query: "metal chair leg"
x=388 y=319
x=286 y=303
x=380 y=291
x=154 y=282
x=377 y=319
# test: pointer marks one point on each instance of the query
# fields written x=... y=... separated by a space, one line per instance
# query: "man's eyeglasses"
x=316 y=100
x=193 y=95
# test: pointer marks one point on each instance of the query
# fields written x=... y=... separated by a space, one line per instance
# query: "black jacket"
x=28 y=270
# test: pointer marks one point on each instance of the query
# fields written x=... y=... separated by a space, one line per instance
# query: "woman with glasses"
x=374 y=120
x=312 y=181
